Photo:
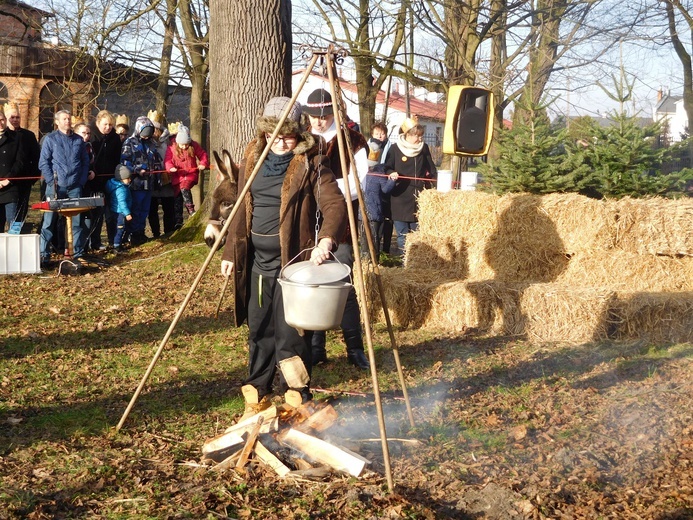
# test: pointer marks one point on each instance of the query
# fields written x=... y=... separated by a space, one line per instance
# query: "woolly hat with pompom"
x=183 y=135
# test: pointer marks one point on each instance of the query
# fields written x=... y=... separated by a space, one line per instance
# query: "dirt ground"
x=504 y=428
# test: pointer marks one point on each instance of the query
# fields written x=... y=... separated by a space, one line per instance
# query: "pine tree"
x=534 y=159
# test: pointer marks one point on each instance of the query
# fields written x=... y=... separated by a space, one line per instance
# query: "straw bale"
x=627 y=271
x=582 y=223
x=447 y=254
x=525 y=246
x=655 y=226
x=488 y=306
x=564 y=313
x=470 y=215
x=421 y=298
x=659 y=317
x=407 y=294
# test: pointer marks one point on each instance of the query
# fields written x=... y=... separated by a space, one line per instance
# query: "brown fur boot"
x=253 y=404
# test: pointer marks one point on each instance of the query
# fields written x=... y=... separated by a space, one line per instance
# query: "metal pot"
x=314 y=296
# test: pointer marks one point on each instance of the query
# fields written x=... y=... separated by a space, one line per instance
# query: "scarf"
x=408 y=149
x=274 y=164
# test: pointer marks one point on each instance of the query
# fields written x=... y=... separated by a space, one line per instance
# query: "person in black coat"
x=411 y=158
x=11 y=164
x=106 y=147
x=31 y=151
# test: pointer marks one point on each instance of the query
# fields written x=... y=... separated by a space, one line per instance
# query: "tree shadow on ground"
x=60 y=421
x=117 y=335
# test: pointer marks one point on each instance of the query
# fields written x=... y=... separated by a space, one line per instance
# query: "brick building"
x=42 y=77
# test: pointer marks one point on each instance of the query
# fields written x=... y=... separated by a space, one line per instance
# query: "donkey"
x=223 y=197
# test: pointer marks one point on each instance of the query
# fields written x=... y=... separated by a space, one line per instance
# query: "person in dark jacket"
x=322 y=123
x=275 y=224
x=140 y=154
x=106 y=147
x=378 y=188
x=64 y=165
x=11 y=166
x=32 y=152
x=411 y=158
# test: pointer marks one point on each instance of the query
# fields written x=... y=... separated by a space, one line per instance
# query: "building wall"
x=26 y=91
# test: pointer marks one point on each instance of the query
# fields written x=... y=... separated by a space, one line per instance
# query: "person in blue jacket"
x=141 y=156
x=120 y=202
x=64 y=165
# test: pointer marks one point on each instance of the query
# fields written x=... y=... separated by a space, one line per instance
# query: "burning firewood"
x=320 y=420
x=323 y=452
x=279 y=438
x=267 y=457
x=252 y=437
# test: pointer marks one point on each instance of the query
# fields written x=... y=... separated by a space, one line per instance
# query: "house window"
x=4 y=96
x=53 y=97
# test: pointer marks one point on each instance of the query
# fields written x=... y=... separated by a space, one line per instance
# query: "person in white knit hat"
x=185 y=159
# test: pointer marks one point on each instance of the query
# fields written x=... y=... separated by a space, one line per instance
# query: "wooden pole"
x=341 y=130
x=214 y=248
x=381 y=291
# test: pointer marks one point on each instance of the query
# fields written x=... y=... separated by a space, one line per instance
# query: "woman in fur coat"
x=276 y=223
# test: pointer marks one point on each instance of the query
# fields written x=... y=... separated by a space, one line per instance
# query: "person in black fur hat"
x=275 y=224
x=322 y=123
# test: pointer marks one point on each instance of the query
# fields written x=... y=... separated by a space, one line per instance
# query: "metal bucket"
x=314 y=296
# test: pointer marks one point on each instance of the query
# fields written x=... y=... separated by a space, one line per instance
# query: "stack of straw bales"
x=558 y=267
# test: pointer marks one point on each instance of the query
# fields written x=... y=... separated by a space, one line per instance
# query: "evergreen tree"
x=534 y=159
x=624 y=161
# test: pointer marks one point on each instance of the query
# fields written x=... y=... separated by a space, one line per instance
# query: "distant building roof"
x=667 y=105
x=426 y=110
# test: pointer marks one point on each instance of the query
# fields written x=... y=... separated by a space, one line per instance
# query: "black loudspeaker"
x=468 y=121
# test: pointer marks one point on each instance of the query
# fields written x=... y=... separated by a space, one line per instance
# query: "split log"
x=323 y=452
x=320 y=420
x=266 y=456
x=319 y=473
x=221 y=442
x=252 y=437
x=227 y=463
x=301 y=464
x=267 y=415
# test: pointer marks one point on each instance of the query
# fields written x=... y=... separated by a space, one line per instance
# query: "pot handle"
x=281 y=272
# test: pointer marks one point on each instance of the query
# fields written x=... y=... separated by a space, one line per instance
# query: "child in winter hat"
x=183 y=135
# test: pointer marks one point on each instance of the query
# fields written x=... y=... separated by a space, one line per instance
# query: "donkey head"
x=223 y=198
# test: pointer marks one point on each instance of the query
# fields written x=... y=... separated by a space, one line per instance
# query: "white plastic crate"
x=19 y=254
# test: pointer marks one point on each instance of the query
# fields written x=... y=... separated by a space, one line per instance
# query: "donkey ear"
x=231 y=167
x=221 y=167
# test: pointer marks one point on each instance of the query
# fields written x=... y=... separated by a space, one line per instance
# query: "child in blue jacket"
x=120 y=204
x=378 y=186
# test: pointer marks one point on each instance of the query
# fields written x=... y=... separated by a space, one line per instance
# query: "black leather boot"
x=354 y=347
x=317 y=344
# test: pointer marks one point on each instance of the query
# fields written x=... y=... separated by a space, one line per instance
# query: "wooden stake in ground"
x=344 y=147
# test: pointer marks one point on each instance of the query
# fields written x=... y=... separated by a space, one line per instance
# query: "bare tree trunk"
x=198 y=69
x=499 y=56
x=250 y=61
x=543 y=55
x=683 y=55
x=166 y=50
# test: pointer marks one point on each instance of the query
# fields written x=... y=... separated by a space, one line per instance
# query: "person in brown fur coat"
x=274 y=224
